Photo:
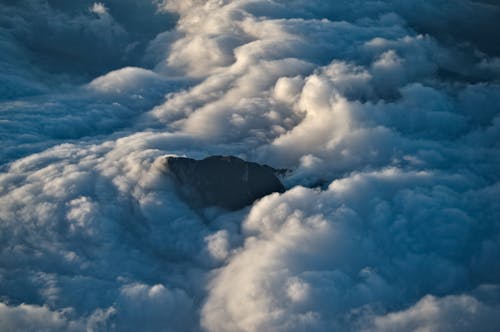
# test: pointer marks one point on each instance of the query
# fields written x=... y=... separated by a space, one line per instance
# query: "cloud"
x=153 y=308
x=384 y=113
x=98 y=8
x=72 y=228
x=50 y=44
x=32 y=318
x=451 y=313
x=371 y=242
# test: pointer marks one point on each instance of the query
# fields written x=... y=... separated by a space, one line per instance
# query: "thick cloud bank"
x=386 y=114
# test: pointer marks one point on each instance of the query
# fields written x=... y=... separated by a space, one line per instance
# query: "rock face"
x=227 y=182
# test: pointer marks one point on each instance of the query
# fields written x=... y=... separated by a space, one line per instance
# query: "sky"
x=386 y=114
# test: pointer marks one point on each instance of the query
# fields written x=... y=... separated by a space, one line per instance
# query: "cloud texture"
x=386 y=113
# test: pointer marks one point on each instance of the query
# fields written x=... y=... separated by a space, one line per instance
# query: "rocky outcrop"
x=225 y=181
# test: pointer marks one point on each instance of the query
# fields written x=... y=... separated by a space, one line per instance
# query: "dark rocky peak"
x=225 y=181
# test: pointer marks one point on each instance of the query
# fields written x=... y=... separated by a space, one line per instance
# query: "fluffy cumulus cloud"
x=386 y=115
x=331 y=259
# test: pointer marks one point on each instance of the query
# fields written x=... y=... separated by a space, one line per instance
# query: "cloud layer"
x=386 y=113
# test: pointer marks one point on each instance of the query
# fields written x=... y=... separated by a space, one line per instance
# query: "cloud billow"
x=384 y=113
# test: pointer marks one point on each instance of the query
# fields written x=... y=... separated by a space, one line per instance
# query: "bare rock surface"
x=224 y=181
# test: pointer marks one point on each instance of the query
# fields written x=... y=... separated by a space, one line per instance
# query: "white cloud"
x=35 y=318
x=385 y=113
x=451 y=313
x=99 y=8
x=312 y=258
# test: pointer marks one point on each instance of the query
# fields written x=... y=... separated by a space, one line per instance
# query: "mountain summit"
x=225 y=181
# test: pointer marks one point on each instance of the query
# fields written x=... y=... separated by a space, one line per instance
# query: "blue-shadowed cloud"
x=384 y=113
